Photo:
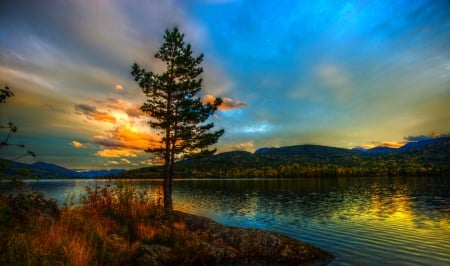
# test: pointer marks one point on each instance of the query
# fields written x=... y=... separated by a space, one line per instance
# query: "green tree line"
x=316 y=161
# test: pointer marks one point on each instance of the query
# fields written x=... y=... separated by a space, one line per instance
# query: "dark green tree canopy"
x=172 y=103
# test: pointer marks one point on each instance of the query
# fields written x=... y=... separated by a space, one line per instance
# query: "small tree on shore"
x=174 y=107
x=5 y=93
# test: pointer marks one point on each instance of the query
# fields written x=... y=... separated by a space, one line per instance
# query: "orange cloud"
x=227 y=103
x=124 y=139
x=104 y=117
x=115 y=153
x=91 y=112
x=119 y=87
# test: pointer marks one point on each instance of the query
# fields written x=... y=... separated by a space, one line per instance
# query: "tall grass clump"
x=102 y=228
x=111 y=224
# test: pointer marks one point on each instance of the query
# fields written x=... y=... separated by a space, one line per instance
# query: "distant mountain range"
x=424 y=157
x=44 y=170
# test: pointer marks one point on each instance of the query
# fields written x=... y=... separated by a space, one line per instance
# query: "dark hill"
x=37 y=170
x=53 y=168
x=42 y=170
x=427 y=157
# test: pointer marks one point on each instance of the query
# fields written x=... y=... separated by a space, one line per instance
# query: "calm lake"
x=362 y=221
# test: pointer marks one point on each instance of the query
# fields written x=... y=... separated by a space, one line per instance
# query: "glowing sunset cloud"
x=129 y=137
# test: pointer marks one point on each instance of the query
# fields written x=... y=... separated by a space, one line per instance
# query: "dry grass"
x=104 y=228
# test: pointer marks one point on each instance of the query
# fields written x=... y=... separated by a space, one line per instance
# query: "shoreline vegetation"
x=115 y=224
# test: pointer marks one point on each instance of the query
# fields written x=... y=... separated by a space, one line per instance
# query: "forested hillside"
x=430 y=158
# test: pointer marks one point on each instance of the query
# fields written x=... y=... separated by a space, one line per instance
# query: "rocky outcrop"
x=223 y=245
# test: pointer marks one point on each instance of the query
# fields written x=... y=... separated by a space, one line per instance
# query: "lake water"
x=362 y=221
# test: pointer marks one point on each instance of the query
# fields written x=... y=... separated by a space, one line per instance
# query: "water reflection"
x=363 y=221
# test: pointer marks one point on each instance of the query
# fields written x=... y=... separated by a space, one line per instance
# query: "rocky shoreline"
x=157 y=237
x=224 y=245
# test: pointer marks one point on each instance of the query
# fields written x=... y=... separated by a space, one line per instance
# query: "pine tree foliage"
x=173 y=105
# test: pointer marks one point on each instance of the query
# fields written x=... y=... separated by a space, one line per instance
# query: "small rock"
x=150 y=254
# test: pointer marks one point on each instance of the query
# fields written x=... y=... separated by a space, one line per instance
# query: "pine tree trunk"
x=167 y=184
x=167 y=193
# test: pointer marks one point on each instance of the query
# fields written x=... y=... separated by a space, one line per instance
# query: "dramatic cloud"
x=91 y=112
x=125 y=140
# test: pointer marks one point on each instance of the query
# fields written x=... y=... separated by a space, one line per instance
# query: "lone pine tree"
x=174 y=108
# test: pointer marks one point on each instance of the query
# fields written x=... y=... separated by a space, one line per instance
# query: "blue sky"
x=337 y=73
